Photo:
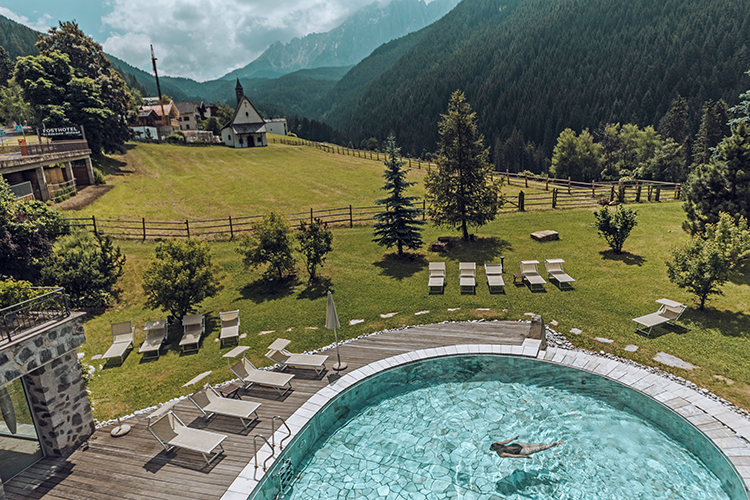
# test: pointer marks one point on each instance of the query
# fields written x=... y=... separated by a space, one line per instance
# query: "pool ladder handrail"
x=255 y=450
x=273 y=432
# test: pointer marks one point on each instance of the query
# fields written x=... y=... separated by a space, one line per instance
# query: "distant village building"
x=192 y=114
x=165 y=125
x=246 y=129
x=276 y=126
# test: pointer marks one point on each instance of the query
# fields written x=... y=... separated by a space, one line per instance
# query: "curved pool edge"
x=727 y=430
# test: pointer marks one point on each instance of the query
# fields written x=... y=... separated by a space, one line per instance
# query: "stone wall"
x=47 y=361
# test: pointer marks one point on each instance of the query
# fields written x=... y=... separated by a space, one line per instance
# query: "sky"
x=199 y=39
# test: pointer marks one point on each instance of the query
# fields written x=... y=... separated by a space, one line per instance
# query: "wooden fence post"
x=143 y=220
x=311 y=215
x=593 y=189
x=568 y=184
x=554 y=197
x=638 y=188
x=520 y=201
x=621 y=192
x=507 y=176
x=676 y=191
x=424 y=208
x=612 y=193
x=658 y=193
x=419 y=164
x=546 y=184
x=187 y=227
x=650 y=189
x=409 y=162
x=526 y=179
x=93 y=221
x=351 y=217
x=231 y=229
x=377 y=155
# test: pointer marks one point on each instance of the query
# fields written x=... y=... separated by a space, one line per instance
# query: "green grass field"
x=610 y=290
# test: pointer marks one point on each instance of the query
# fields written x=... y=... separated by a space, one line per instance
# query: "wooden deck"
x=137 y=467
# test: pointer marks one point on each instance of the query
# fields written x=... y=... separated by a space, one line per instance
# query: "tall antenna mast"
x=158 y=88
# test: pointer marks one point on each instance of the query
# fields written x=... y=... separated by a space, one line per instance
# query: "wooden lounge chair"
x=468 y=276
x=531 y=274
x=156 y=334
x=556 y=273
x=249 y=374
x=436 y=283
x=123 y=336
x=211 y=403
x=194 y=326
x=278 y=354
x=172 y=433
x=494 y=274
x=230 y=326
x=669 y=312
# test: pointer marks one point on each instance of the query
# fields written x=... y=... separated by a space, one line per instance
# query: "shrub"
x=177 y=137
x=315 y=240
x=13 y=292
x=99 y=177
x=270 y=244
x=615 y=225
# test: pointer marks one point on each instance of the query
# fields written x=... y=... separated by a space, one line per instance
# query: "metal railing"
x=33 y=312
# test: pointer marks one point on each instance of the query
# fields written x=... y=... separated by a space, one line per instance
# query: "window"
x=247 y=114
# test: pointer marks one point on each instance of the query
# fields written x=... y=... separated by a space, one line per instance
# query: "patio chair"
x=436 y=282
x=194 y=326
x=123 y=336
x=172 y=433
x=467 y=272
x=211 y=403
x=278 y=354
x=249 y=374
x=494 y=274
x=556 y=273
x=531 y=274
x=156 y=334
x=230 y=326
x=669 y=312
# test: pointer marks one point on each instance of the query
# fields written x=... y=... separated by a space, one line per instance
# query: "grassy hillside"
x=610 y=290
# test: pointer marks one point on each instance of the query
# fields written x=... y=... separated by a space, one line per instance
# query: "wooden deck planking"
x=137 y=467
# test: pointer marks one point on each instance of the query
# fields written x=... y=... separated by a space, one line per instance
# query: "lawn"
x=610 y=290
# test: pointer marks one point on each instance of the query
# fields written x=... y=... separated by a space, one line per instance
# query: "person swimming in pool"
x=519 y=450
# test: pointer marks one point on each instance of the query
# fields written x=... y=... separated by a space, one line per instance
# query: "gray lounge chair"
x=194 y=326
x=278 y=354
x=669 y=312
x=555 y=272
x=436 y=282
x=172 y=433
x=250 y=375
x=468 y=276
x=531 y=274
x=123 y=336
x=211 y=403
x=156 y=334
x=230 y=326
x=495 y=280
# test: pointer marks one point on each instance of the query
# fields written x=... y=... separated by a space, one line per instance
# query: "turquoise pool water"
x=424 y=430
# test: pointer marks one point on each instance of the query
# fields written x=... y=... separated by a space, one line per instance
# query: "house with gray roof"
x=247 y=128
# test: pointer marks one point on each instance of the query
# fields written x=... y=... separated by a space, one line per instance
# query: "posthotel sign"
x=61 y=131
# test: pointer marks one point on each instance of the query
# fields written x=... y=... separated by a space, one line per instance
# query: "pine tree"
x=714 y=127
x=675 y=123
x=460 y=191
x=399 y=224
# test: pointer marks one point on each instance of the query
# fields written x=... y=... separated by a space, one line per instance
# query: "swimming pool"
x=423 y=430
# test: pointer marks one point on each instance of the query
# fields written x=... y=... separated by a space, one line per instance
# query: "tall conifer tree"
x=399 y=225
x=460 y=191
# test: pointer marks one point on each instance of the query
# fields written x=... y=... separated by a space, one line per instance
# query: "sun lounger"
x=172 y=433
x=437 y=277
x=494 y=274
x=123 y=336
x=531 y=274
x=467 y=273
x=249 y=374
x=669 y=312
x=210 y=402
x=194 y=326
x=156 y=334
x=230 y=326
x=278 y=354
x=555 y=272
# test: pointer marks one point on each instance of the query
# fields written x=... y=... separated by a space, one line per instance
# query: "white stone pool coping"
x=729 y=431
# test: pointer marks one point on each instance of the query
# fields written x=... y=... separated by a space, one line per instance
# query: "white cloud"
x=204 y=39
x=42 y=24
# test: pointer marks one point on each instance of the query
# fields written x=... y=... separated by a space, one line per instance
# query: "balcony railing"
x=31 y=313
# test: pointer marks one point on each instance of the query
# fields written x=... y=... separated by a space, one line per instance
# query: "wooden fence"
x=219 y=228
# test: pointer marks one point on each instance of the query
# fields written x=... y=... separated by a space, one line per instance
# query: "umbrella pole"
x=339 y=365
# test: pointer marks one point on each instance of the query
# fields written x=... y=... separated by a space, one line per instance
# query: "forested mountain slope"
x=543 y=65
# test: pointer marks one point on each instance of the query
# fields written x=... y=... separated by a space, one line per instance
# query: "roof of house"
x=157 y=108
x=185 y=107
x=234 y=116
x=143 y=113
x=249 y=128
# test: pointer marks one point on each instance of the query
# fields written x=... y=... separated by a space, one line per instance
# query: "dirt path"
x=84 y=197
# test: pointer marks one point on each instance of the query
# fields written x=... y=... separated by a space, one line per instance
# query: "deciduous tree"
x=316 y=241
x=181 y=277
x=700 y=267
x=460 y=191
x=271 y=243
x=399 y=225
x=577 y=157
x=615 y=225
